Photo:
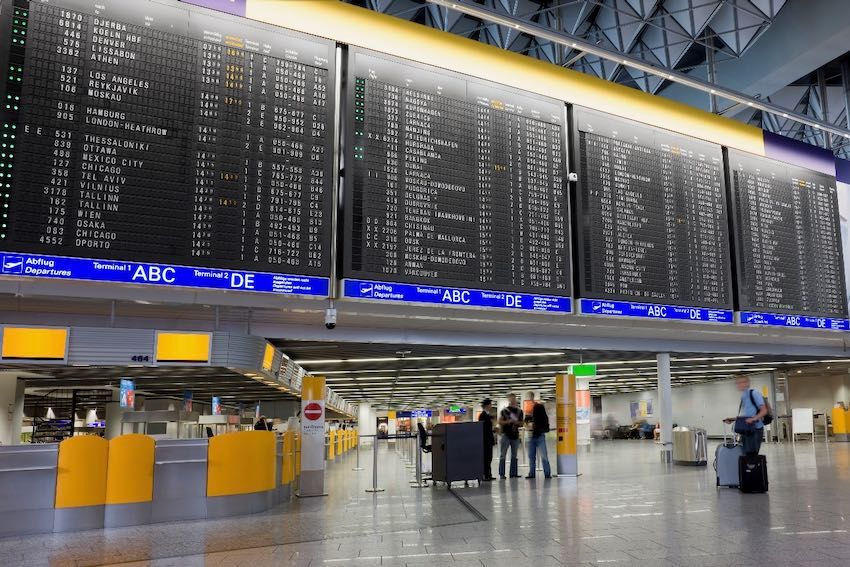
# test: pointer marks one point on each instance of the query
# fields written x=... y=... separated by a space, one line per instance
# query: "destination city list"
x=455 y=183
x=137 y=143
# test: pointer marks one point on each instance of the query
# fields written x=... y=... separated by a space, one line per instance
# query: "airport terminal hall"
x=424 y=283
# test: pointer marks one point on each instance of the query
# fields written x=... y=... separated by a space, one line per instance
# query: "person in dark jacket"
x=262 y=424
x=489 y=437
x=539 y=429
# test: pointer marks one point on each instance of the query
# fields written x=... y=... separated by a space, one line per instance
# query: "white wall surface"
x=11 y=408
x=701 y=405
x=818 y=392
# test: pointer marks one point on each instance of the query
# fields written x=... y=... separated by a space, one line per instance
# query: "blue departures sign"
x=794 y=321
x=654 y=311
x=59 y=267
x=413 y=293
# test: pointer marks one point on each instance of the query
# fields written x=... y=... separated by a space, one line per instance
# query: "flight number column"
x=55 y=46
x=377 y=143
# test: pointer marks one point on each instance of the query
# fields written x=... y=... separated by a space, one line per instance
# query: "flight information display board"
x=157 y=143
x=652 y=226
x=455 y=192
x=788 y=242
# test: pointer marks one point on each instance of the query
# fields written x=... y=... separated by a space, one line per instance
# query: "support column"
x=845 y=82
x=565 y=398
x=312 y=481
x=665 y=401
x=711 y=75
x=366 y=421
x=824 y=106
x=114 y=415
x=11 y=408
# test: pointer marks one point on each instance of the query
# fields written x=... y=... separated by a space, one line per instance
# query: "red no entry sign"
x=313 y=411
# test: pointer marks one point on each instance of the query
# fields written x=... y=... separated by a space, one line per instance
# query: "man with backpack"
x=539 y=429
x=752 y=411
x=510 y=419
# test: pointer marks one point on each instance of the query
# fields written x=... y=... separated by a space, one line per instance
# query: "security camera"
x=330 y=318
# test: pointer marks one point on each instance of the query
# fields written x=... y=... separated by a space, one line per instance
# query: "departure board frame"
x=596 y=303
x=749 y=313
x=290 y=228
x=370 y=286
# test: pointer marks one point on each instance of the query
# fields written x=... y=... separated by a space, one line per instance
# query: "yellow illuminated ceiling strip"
x=364 y=28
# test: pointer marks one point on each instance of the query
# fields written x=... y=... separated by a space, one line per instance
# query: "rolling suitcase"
x=727 y=459
x=753 y=473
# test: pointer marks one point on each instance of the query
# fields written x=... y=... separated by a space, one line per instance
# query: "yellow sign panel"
x=182 y=347
x=313 y=388
x=81 y=472
x=268 y=357
x=565 y=397
x=129 y=470
x=34 y=343
x=391 y=414
x=241 y=463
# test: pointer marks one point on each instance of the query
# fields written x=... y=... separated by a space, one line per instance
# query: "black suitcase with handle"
x=752 y=472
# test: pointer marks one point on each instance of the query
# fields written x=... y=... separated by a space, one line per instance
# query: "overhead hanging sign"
x=794 y=321
x=141 y=273
x=187 y=400
x=583 y=370
x=415 y=413
x=654 y=311
x=454 y=296
x=127 y=398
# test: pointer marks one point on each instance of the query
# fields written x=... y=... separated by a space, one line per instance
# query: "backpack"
x=768 y=417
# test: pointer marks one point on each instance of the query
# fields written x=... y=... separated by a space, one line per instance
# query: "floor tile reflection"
x=625 y=509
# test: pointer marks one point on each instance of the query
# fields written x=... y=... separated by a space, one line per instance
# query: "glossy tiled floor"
x=626 y=509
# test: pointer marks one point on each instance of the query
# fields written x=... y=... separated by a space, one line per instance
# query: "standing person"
x=262 y=424
x=489 y=437
x=752 y=409
x=539 y=429
x=510 y=419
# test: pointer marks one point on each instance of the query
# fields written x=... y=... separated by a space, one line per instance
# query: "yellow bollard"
x=331 y=439
x=339 y=437
x=287 y=473
x=297 y=454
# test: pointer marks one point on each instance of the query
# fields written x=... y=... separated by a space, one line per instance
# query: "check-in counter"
x=27 y=488
x=87 y=482
x=840 y=424
x=180 y=480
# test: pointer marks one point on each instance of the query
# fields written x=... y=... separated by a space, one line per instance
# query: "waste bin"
x=690 y=446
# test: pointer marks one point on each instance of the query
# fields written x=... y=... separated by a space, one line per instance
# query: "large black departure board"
x=453 y=181
x=155 y=132
x=651 y=215
x=788 y=238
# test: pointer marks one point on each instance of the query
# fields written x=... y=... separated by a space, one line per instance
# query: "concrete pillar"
x=113 y=416
x=366 y=421
x=11 y=408
x=665 y=401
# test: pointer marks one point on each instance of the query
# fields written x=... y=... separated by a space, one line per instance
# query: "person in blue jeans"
x=539 y=429
x=752 y=408
x=510 y=420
